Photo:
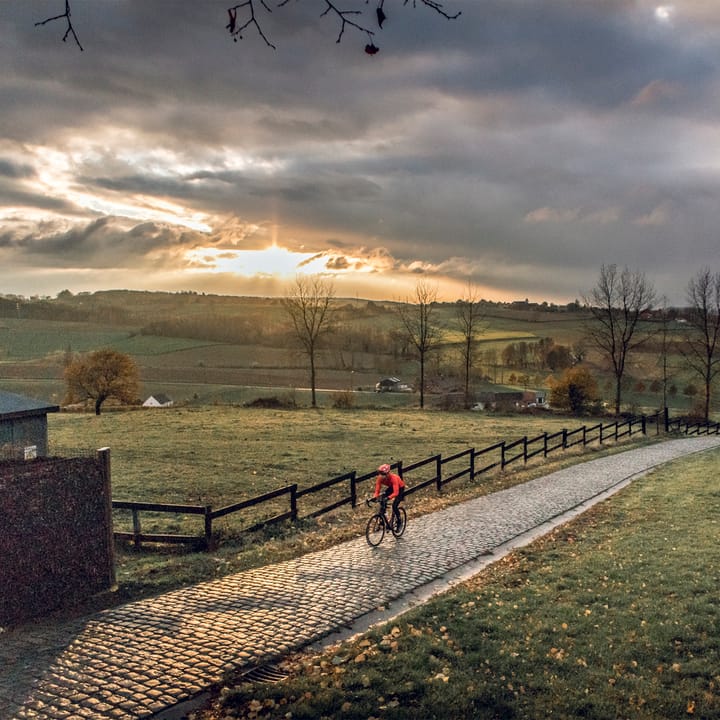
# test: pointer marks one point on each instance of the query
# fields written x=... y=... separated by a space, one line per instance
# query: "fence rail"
x=434 y=471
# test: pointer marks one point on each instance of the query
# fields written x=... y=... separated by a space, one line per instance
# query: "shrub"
x=576 y=391
x=272 y=402
x=343 y=400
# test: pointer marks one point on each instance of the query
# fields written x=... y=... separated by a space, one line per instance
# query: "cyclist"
x=391 y=485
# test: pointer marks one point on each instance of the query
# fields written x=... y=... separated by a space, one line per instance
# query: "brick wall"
x=55 y=534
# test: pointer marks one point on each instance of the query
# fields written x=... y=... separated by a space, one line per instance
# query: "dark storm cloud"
x=11 y=195
x=10 y=169
x=102 y=243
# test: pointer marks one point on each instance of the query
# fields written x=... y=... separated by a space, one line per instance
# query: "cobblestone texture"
x=136 y=660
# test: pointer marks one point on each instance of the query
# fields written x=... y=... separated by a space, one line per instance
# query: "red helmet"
x=384 y=469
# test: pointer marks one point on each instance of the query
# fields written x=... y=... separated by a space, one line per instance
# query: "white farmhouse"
x=159 y=400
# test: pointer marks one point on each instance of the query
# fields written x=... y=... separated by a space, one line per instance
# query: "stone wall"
x=56 y=542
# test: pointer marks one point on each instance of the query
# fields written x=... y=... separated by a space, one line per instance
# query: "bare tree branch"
x=347 y=18
x=70 y=29
x=436 y=6
x=236 y=31
x=251 y=17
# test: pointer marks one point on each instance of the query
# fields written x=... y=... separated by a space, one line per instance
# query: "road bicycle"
x=379 y=523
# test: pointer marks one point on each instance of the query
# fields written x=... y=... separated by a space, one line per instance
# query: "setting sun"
x=272 y=261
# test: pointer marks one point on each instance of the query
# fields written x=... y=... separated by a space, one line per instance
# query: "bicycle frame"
x=380 y=523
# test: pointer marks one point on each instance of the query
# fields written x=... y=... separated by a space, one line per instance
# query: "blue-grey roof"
x=14 y=405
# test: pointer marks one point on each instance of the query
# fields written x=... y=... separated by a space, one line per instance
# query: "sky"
x=511 y=152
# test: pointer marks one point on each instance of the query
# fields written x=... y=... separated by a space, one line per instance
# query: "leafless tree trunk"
x=701 y=351
x=617 y=303
x=308 y=305
x=665 y=347
x=417 y=318
x=471 y=322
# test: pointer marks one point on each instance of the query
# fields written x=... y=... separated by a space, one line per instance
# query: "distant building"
x=535 y=398
x=392 y=384
x=23 y=426
x=159 y=400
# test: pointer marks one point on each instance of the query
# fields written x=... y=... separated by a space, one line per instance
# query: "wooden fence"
x=436 y=471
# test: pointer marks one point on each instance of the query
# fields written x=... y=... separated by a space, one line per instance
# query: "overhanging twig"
x=70 y=29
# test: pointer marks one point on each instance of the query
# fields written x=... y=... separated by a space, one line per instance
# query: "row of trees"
x=617 y=306
x=623 y=298
x=542 y=354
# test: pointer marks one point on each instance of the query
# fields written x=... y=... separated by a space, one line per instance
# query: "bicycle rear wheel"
x=375 y=530
x=399 y=522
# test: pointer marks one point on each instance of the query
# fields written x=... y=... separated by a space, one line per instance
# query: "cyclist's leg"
x=396 y=502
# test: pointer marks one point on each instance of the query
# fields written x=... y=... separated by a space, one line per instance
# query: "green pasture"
x=23 y=340
x=221 y=455
x=613 y=615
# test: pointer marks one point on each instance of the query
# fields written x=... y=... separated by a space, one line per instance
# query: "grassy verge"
x=611 y=616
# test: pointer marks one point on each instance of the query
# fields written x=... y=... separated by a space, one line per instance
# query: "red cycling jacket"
x=392 y=481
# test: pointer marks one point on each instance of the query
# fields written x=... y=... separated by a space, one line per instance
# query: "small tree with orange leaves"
x=100 y=375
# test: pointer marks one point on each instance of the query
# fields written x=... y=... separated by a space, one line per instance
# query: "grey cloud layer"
x=527 y=141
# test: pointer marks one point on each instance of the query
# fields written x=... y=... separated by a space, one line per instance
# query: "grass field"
x=220 y=455
x=223 y=454
x=611 y=616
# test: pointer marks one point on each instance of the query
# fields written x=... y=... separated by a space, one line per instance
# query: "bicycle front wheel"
x=399 y=522
x=375 y=530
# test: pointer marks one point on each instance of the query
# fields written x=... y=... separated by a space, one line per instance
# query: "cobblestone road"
x=139 y=659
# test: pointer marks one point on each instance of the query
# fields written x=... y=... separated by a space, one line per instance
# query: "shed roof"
x=13 y=405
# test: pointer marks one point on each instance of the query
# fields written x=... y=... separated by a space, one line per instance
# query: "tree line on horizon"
x=621 y=317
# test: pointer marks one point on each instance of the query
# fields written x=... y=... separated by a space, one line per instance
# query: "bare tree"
x=308 y=305
x=702 y=350
x=470 y=320
x=666 y=347
x=418 y=322
x=364 y=16
x=617 y=303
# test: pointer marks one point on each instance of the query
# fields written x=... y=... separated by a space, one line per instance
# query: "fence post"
x=472 y=463
x=502 y=455
x=353 y=489
x=666 y=418
x=136 y=526
x=584 y=435
x=208 y=527
x=564 y=445
x=438 y=473
x=103 y=455
x=525 y=450
x=293 y=501
x=545 y=447
x=644 y=425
